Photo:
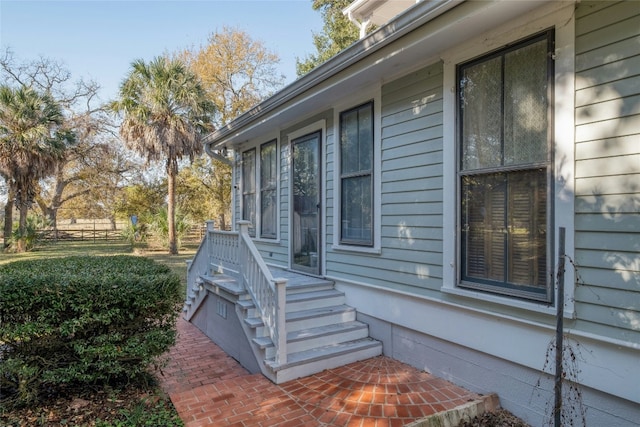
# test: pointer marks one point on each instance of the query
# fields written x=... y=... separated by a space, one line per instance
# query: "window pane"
x=268 y=184
x=268 y=163
x=504 y=228
x=365 y=137
x=249 y=188
x=268 y=213
x=356 y=139
x=349 y=142
x=483 y=225
x=527 y=225
x=249 y=210
x=526 y=105
x=249 y=171
x=356 y=210
x=481 y=112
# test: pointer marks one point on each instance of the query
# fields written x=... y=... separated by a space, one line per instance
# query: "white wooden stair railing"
x=234 y=254
x=267 y=292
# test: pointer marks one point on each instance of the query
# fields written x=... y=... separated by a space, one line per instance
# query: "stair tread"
x=297 y=280
x=316 y=332
x=225 y=282
x=254 y=322
x=246 y=303
x=313 y=295
x=318 y=312
x=263 y=342
x=325 y=330
x=334 y=350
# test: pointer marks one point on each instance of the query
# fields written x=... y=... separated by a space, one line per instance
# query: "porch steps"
x=217 y=283
x=322 y=332
x=311 y=338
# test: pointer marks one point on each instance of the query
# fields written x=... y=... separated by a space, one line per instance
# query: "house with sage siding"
x=434 y=176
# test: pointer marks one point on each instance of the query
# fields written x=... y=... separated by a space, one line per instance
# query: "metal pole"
x=557 y=409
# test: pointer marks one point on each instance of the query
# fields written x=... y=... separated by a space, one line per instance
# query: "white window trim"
x=375 y=96
x=320 y=125
x=561 y=17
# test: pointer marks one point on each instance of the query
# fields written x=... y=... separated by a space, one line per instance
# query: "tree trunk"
x=8 y=218
x=22 y=228
x=48 y=212
x=171 y=214
x=223 y=222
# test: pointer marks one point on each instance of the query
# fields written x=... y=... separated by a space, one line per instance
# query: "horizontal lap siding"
x=411 y=194
x=608 y=169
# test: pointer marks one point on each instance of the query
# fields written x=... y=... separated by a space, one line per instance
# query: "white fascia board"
x=377 y=12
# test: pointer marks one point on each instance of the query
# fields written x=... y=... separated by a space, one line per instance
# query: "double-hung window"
x=356 y=175
x=268 y=187
x=249 y=188
x=504 y=175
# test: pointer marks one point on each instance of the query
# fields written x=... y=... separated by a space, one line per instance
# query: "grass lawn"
x=135 y=405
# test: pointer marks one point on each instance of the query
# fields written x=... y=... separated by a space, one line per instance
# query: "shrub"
x=135 y=233
x=32 y=233
x=160 y=227
x=83 y=321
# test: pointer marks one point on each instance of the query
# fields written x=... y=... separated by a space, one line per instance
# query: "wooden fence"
x=70 y=234
x=195 y=234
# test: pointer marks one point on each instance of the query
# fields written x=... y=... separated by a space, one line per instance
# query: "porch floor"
x=209 y=388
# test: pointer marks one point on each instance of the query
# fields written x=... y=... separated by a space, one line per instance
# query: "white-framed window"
x=508 y=141
x=268 y=189
x=357 y=215
x=249 y=188
x=504 y=101
x=355 y=142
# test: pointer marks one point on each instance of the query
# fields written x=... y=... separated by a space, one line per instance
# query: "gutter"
x=216 y=155
x=398 y=27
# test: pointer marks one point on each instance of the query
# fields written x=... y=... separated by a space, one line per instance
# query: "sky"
x=98 y=39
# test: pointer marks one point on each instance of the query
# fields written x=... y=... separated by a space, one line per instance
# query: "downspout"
x=216 y=155
x=361 y=25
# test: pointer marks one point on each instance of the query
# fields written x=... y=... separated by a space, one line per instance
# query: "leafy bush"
x=135 y=233
x=160 y=227
x=83 y=321
x=32 y=233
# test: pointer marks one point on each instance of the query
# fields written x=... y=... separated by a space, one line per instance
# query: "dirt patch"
x=499 y=418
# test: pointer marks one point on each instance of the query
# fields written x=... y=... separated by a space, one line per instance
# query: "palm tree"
x=165 y=113
x=32 y=141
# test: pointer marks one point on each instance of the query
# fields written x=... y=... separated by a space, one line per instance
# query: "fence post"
x=557 y=409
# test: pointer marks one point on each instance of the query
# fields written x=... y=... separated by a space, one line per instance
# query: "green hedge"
x=83 y=321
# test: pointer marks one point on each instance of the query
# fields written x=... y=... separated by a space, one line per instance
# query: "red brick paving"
x=209 y=388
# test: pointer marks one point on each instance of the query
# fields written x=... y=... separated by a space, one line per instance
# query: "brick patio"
x=209 y=388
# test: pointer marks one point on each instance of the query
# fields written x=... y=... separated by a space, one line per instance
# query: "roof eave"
x=414 y=17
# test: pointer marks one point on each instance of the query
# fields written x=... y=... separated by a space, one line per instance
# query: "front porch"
x=281 y=323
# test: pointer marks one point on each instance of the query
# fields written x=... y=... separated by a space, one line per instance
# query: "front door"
x=305 y=213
